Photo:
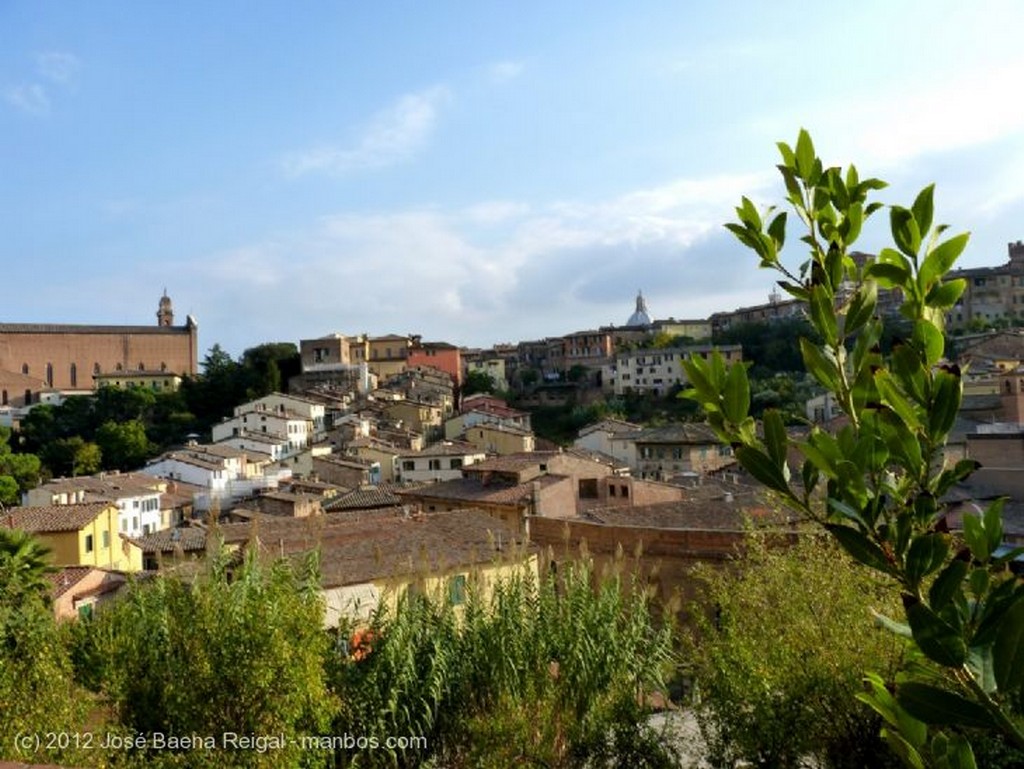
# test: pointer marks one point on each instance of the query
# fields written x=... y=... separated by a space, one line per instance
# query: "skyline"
x=473 y=175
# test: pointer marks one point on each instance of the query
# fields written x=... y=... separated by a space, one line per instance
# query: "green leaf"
x=993 y=522
x=895 y=399
x=889 y=275
x=823 y=314
x=930 y=340
x=747 y=212
x=775 y=438
x=905 y=232
x=941 y=707
x=736 y=397
x=761 y=466
x=821 y=367
x=856 y=543
x=947 y=393
x=777 y=229
x=788 y=158
x=936 y=638
x=974 y=535
x=945 y=295
x=926 y=554
x=924 y=208
x=1008 y=650
x=804 y=156
x=941 y=259
x=947 y=584
x=861 y=308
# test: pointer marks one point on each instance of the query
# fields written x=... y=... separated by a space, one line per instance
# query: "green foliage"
x=548 y=674
x=776 y=703
x=124 y=445
x=37 y=691
x=242 y=653
x=879 y=484
x=18 y=471
x=477 y=381
x=772 y=347
x=69 y=457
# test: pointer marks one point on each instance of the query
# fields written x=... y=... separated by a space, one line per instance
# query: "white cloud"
x=57 y=66
x=28 y=97
x=504 y=71
x=498 y=270
x=391 y=136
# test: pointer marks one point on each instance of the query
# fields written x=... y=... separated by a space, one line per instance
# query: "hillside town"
x=377 y=440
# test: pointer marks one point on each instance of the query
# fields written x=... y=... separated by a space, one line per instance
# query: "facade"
x=480 y=409
x=775 y=309
x=441 y=462
x=992 y=293
x=657 y=370
x=138 y=498
x=157 y=381
x=82 y=534
x=67 y=357
x=612 y=437
x=496 y=438
x=440 y=355
x=686 y=448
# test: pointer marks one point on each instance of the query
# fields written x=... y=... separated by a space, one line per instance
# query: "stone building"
x=67 y=357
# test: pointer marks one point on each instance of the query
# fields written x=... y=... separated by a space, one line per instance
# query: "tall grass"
x=546 y=672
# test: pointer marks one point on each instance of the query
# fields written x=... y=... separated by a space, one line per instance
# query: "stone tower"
x=165 y=315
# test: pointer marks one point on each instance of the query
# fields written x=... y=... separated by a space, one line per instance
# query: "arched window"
x=49 y=374
x=24 y=368
x=96 y=368
x=142 y=366
x=3 y=398
x=74 y=375
x=119 y=367
x=28 y=397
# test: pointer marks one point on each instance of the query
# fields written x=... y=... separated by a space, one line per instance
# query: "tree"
x=269 y=366
x=124 y=446
x=21 y=469
x=72 y=457
x=879 y=484
x=776 y=704
x=477 y=381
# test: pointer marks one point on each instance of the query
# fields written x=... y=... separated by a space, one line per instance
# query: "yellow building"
x=157 y=381
x=84 y=534
x=500 y=439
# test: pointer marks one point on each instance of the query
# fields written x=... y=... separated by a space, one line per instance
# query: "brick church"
x=38 y=357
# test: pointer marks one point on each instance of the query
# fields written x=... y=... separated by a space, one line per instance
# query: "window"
x=588 y=488
x=96 y=368
x=457 y=590
x=3 y=398
x=435 y=464
x=625 y=492
x=88 y=543
x=74 y=375
x=408 y=464
x=456 y=464
x=611 y=491
x=85 y=611
x=24 y=368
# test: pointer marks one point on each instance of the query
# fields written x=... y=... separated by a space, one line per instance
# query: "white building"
x=441 y=462
x=656 y=370
x=612 y=437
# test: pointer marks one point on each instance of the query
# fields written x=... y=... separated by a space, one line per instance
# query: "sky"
x=472 y=172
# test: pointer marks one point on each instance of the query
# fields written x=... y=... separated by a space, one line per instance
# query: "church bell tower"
x=165 y=314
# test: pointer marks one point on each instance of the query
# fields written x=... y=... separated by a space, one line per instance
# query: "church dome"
x=639 y=316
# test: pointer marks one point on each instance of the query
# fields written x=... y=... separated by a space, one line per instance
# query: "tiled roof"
x=471 y=490
x=69 y=577
x=54 y=518
x=513 y=463
x=353 y=552
x=717 y=514
x=362 y=499
x=185 y=538
x=444 y=449
x=613 y=426
x=683 y=432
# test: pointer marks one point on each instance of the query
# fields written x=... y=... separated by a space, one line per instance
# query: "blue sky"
x=472 y=172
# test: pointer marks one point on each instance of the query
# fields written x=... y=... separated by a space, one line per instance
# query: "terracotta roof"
x=704 y=514
x=69 y=577
x=683 y=432
x=472 y=490
x=444 y=449
x=614 y=426
x=185 y=538
x=363 y=498
x=353 y=552
x=54 y=518
x=513 y=463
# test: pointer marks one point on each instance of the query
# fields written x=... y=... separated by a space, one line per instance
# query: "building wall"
x=446 y=359
x=501 y=442
x=69 y=547
x=71 y=355
x=340 y=475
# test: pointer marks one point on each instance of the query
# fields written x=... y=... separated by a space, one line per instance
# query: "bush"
x=782 y=644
